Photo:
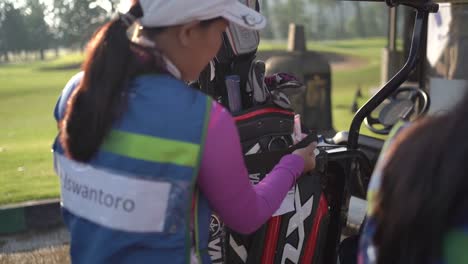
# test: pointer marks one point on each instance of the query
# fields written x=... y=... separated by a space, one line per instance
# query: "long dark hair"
x=424 y=189
x=100 y=97
x=111 y=61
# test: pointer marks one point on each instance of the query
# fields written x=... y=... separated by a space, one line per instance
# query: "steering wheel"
x=407 y=103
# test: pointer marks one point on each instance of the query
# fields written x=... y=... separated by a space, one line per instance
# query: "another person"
x=418 y=197
x=142 y=157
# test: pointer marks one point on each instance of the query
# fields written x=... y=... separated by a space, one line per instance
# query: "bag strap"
x=265 y=161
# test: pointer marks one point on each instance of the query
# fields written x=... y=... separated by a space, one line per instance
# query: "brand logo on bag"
x=215 y=226
x=215 y=249
x=296 y=222
x=254 y=178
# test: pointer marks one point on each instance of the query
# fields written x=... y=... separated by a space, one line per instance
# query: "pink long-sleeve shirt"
x=224 y=180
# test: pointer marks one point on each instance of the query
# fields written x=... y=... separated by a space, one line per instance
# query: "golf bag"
x=266 y=124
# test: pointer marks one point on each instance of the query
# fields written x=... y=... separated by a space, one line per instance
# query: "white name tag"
x=113 y=201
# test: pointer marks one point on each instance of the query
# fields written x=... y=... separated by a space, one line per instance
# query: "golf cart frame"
x=344 y=167
x=352 y=160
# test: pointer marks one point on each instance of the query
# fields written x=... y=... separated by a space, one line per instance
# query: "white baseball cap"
x=160 y=13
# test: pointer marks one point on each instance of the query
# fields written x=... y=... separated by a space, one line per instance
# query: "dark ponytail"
x=99 y=98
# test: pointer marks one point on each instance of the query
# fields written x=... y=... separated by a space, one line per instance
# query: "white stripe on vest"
x=111 y=200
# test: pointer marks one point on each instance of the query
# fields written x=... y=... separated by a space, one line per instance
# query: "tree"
x=38 y=31
x=13 y=33
x=321 y=18
x=291 y=11
x=77 y=20
x=3 y=51
x=360 y=25
x=268 y=32
x=376 y=19
x=341 y=33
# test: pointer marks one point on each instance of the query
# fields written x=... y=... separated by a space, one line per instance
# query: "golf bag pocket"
x=264 y=129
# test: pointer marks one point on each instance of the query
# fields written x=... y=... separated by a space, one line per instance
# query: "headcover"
x=235 y=57
x=239 y=40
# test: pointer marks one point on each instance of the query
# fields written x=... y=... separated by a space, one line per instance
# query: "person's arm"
x=224 y=179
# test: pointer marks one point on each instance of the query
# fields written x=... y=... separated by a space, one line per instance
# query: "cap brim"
x=244 y=16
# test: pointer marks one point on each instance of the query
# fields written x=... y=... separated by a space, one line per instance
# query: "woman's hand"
x=308 y=155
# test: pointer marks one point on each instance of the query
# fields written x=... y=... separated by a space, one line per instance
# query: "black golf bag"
x=266 y=123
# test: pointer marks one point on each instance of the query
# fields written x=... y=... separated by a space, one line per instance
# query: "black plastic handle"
x=393 y=84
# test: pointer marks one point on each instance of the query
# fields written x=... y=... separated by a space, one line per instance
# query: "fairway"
x=27 y=97
x=28 y=92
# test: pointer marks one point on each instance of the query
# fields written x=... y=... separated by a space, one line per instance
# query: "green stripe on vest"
x=152 y=149
x=455 y=247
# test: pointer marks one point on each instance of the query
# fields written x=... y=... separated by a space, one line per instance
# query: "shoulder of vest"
x=177 y=88
x=159 y=79
x=165 y=111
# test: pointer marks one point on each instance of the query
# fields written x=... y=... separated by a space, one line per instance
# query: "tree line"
x=326 y=19
x=34 y=26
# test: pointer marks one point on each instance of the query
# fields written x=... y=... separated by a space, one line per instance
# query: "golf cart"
x=314 y=230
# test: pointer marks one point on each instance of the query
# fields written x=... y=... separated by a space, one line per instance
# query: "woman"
x=420 y=212
x=143 y=158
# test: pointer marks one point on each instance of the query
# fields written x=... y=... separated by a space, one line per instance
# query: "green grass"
x=28 y=92
x=345 y=85
x=27 y=98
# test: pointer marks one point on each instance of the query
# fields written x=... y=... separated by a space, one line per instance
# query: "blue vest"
x=137 y=201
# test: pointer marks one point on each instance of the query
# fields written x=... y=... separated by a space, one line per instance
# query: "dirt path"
x=53 y=255
x=36 y=247
x=348 y=63
x=337 y=61
x=33 y=240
